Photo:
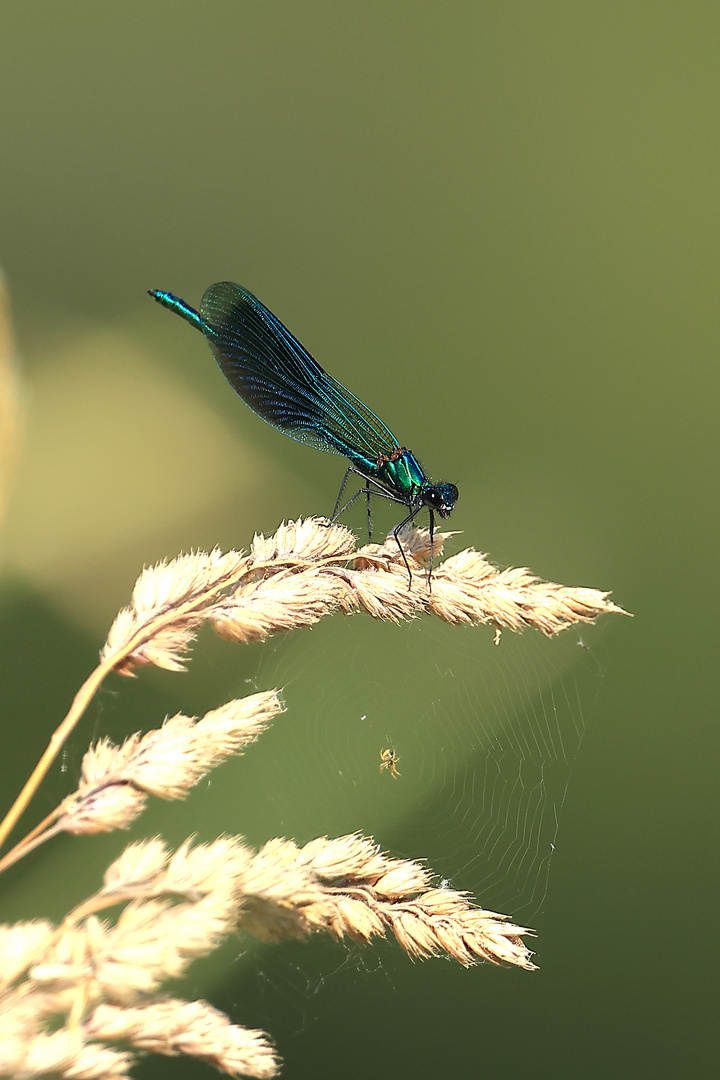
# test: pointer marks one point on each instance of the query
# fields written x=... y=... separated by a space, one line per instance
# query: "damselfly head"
x=441 y=498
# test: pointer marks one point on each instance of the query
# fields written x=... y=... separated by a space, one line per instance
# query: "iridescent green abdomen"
x=401 y=472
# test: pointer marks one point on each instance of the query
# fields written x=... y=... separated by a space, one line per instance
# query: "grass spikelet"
x=137 y=868
x=348 y=888
x=277 y=603
x=102 y=806
x=152 y=941
x=148 y=868
x=285 y=587
x=20 y=945
x=66 y=1054
x=302 y=542
x=194 y=1028
x=383 y=592
x=468 y=589
x=168 y=605
x=183 y=580
x=301 y=574
x=415 y=543
x=166 y=762
x=343 y=856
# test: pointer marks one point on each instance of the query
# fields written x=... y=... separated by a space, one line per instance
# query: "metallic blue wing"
x=280 y=381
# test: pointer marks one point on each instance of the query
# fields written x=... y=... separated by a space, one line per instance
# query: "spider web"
x=484 y=739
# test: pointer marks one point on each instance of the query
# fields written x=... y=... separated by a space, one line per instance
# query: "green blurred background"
x=498 y=224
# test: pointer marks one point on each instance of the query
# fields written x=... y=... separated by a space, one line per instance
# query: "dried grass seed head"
x=193 y=1028
x=303 y=541
x=66 y=1053
x=277 y=602
x=20 y=946
x=168 y=605
x=148 y=868
x=154 y=941
x=166 y=762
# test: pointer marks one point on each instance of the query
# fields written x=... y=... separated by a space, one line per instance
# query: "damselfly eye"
x=442 y=498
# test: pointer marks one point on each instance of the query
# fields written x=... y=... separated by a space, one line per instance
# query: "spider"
x=389 y=760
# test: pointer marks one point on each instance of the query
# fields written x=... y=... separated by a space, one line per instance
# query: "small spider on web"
x=388 y=761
